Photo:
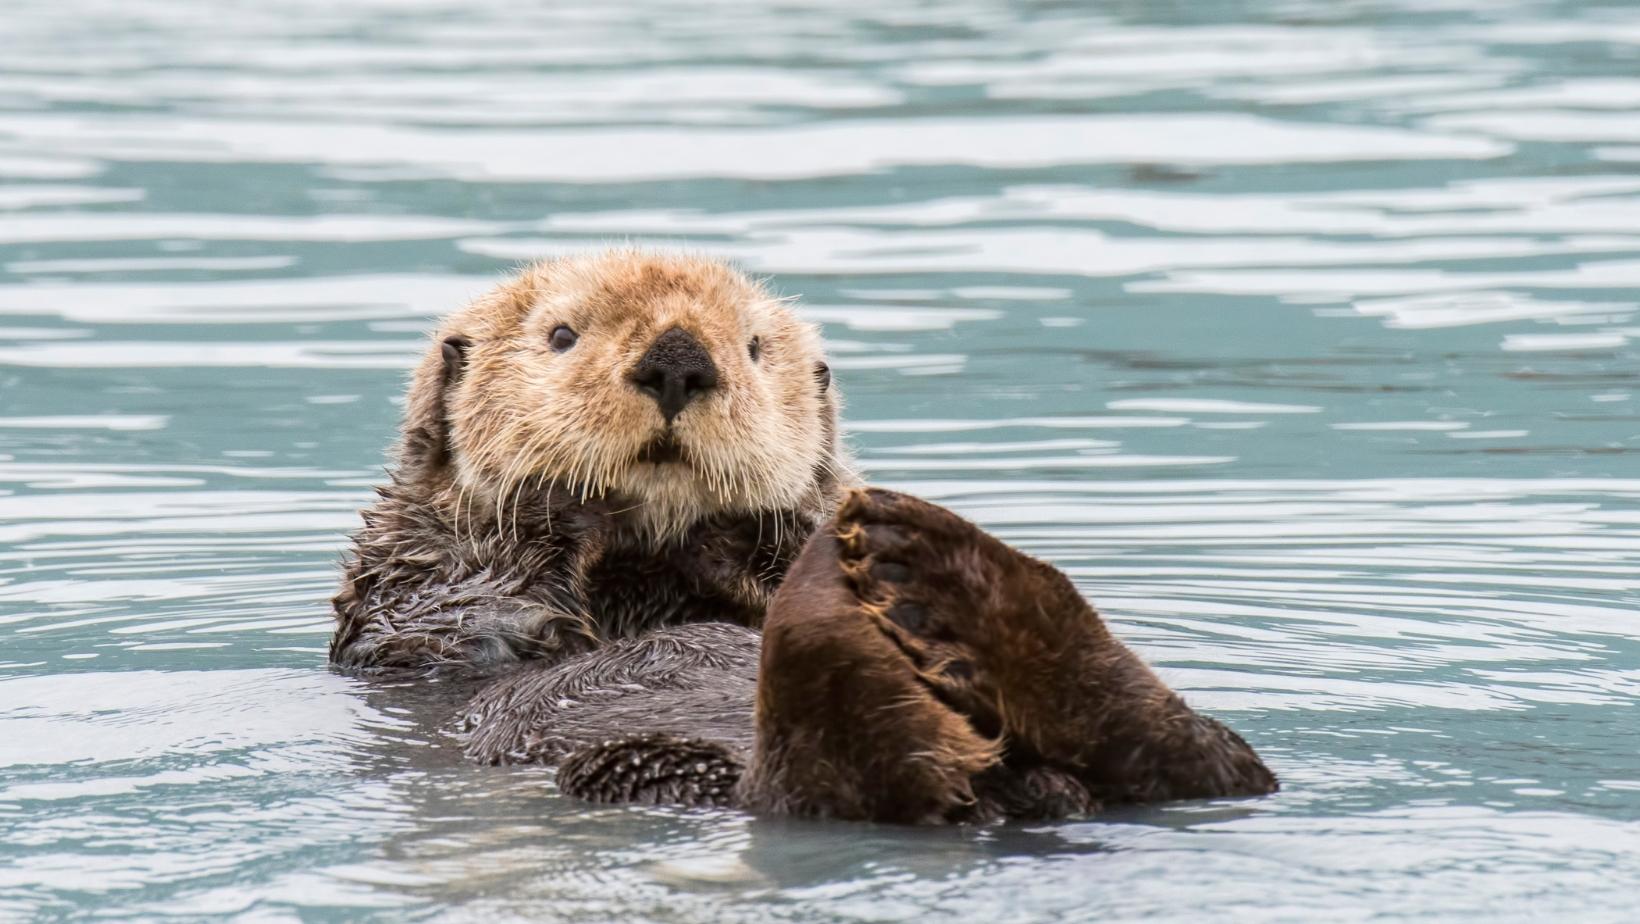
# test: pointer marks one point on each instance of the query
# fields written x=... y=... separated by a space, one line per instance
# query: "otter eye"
x=755 y=348
x=562 y=338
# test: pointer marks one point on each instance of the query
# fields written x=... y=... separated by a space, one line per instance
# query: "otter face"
x=673 y=384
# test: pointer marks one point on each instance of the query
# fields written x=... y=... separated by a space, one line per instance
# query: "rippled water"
x=1302 y=334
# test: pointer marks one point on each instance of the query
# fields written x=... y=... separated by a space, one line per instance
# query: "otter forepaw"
x=652 y=770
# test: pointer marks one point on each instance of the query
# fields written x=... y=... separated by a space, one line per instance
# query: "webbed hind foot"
x=652 y=770
x=1010 y=642
x=917 y=669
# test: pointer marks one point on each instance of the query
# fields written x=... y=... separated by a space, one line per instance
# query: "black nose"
x=675 y=371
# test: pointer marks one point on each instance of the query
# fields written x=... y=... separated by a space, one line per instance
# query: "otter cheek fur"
x=620 y=497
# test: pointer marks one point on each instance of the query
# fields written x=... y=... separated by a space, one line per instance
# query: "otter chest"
x=630 y=591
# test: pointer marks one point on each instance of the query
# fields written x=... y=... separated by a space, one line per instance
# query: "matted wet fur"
x=608 y=467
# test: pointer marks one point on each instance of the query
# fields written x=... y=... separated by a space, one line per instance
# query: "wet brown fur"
x=741 y=628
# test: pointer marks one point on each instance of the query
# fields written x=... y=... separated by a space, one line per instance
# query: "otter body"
x=619 y=493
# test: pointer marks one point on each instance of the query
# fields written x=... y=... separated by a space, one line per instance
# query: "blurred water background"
x=1302 y=334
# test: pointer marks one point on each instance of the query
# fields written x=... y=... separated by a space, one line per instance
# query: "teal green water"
x=1302 y=334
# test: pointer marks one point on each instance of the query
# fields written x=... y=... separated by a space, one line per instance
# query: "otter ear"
x=454 y=351
x=426 y=446
x=822 y=374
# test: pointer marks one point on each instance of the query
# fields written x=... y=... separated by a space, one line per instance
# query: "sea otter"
x=620 y=493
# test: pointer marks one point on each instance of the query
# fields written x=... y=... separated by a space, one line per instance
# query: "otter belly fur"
x=620 y=496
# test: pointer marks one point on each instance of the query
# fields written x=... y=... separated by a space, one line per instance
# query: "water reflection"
x=1302 y=335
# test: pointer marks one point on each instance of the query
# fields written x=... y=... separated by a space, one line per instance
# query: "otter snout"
x=676 y=370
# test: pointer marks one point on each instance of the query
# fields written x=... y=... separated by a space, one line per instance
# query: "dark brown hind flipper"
x=845 y=728
x=1008 y=641
x=652 y=770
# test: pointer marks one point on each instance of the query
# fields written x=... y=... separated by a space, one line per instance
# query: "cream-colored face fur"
x=523 y=414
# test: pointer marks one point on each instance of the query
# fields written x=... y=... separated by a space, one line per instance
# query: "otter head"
x=673 y=385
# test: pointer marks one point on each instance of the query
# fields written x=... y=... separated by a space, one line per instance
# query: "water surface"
x=1303 y=335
